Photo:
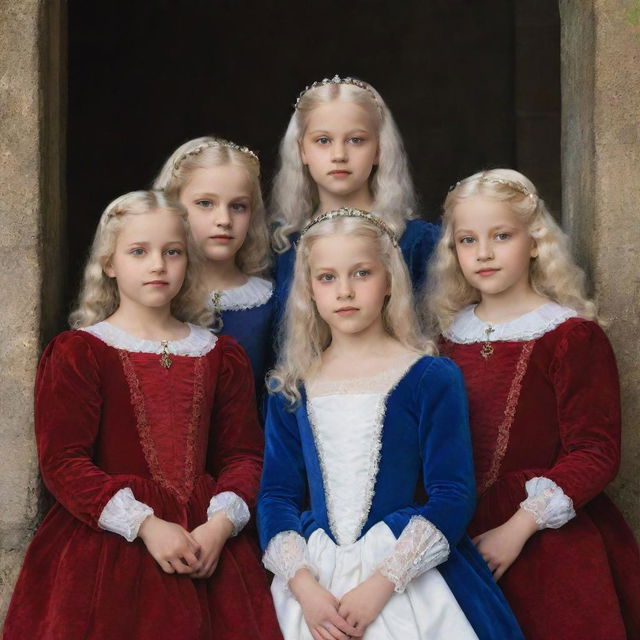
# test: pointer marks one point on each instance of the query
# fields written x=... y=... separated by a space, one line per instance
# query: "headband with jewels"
x=512 y=184
x=348 y=212
x=335 y=80
x=215 y=142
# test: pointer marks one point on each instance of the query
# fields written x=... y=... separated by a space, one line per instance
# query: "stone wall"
x=601 y=191
x=30 y=209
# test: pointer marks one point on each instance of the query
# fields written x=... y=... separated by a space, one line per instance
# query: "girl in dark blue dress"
x=219 y=183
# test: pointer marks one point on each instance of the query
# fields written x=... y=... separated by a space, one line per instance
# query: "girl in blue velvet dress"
x=219 y=183
x=343 y=149
x=359 y=417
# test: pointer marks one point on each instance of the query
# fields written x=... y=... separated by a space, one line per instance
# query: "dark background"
x=471 y=84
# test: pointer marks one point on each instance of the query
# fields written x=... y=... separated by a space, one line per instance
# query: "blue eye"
x=174 y=252
x=322 y=140
x=362 y=273
x=326 y=277
x=466 y=240
x=239 y=207
x=137 y=251
x=503 y=236
x=356 y=140
x=204 y=204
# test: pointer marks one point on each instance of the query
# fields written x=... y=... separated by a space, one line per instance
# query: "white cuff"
x=234 y=507
x=420 y=547
x=287 y=553
x=547 y=503
x=123 y=514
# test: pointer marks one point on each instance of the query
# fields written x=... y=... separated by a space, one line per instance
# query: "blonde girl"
x=219 y=184
x=342 y=148
x=138 y=409
x=361 y=412
x=544 y=411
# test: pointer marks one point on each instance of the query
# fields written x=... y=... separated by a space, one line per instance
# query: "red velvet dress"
x=107 y=419
x=547 y=405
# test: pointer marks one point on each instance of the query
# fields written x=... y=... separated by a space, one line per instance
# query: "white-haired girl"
x=342 y=149
x=362 y=413
x=544 y=411
x=149 y=442
x=219 y=183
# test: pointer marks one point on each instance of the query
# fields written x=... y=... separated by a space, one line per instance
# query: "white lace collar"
x=467 y=328
x=198 y=343
x=253 y=293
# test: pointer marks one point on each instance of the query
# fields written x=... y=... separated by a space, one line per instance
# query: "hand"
x=173 y=548
x=501 y=546
x=211 y=536
x=320 y=609
x=362 y=605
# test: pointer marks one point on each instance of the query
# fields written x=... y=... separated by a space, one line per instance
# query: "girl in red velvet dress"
x=544 y=409
x=148 y=439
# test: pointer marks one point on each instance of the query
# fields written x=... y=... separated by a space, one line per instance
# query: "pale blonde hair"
x=254 y=257
x=306 y=335
x=552 y=273
x=99 y=297
x=294 y=198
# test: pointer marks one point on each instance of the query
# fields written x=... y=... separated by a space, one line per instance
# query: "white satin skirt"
x=425 y=610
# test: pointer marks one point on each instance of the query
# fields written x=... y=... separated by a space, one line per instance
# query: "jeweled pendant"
x=165 y=360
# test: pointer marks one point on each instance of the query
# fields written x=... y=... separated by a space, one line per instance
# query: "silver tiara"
x=215 y=142
x=335 y=80
x=512 y=184
x=348 y=212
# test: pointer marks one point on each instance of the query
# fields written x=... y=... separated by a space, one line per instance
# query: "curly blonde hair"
x=294 y=197
x=552 y=274
x=306 y=335
x=254 y=257
x=99 y=297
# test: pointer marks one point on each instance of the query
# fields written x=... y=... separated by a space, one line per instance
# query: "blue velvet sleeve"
x=417 y=244
x=284 y=481
x=445 y=444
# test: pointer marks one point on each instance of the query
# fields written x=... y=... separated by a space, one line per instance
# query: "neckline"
x=254 y=292
x=467 y=328
x=197 y=343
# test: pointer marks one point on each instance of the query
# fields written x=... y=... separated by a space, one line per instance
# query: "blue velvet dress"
x=423 y=441
x=417 y=244
x=246 y=313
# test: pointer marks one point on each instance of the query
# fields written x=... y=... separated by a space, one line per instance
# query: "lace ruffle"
x=467 y=328
x=198 y=343
x=420 y=547
x=234 y=507
x=254 y=293
x=547 y=503
x=286 y=553
x=123 y=514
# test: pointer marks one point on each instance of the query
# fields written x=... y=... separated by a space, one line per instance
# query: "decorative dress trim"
x=504 y=428
x=253 y=293
x=144 y=431
x=233 y=506
x=420 y=547
x=287 y=553
x=374 y=456
x=123 y=514
x=547 y=503
x=467 y=328
x=198 y=343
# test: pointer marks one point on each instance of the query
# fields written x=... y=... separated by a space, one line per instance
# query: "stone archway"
x=601 y=182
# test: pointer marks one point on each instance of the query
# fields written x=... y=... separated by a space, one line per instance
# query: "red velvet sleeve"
x=585 y=378
x=236 y=443
x=68 y=404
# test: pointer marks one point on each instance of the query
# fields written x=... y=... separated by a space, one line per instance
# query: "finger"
x=192 y=561
x=335 y=632
x=342 y=624
x=315 y=635
x=193 y=543
x=324 y=634
x=165 y=565
x=179 y=566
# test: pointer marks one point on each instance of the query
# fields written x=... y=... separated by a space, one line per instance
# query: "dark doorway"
x=471 y=83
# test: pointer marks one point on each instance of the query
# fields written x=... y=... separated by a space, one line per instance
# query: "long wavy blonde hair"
x=294 y=197
x=306 y=335
x=99 y=297
x=254 y=257
x=552 y=274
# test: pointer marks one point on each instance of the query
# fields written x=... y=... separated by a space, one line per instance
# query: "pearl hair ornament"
x=216 y=142
x=336 y=80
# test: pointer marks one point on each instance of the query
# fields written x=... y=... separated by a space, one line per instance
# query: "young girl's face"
x=493 y=246
x=218 y=200
x=340 y=147
x=149 y=261
x=349 y=283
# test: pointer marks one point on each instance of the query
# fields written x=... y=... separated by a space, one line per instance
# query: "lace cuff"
x=234 y=507
x=420 y=547
x=286 y=553
x=123 y=514
x=547 y=503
